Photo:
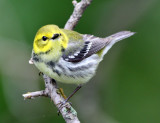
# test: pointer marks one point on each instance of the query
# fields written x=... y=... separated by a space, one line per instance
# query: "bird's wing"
x=92 y=44
x=80 y=50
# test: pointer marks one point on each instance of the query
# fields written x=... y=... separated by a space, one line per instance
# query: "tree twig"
x=77 y=13
x=31 y=95
x=67 y=111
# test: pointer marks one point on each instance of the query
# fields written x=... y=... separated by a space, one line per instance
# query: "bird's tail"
x=111 y=40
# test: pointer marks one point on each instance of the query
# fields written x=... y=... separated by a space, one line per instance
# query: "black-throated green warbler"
x=68 y=56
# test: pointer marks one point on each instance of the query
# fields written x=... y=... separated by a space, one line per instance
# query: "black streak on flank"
x=61 y=67
x=80 y=68
x=35 y=59
x=51 y=64
x=57 y=72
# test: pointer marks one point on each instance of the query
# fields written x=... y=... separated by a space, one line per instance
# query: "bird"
x=70 y=57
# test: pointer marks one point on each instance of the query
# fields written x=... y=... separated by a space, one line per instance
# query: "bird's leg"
x=61 y=92
x=79 y=86
x=66 y=100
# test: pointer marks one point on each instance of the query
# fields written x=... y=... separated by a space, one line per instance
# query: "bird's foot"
x=61 y=92
x=63 y=104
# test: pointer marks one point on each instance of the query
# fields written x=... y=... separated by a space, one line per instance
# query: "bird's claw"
x=61 y=105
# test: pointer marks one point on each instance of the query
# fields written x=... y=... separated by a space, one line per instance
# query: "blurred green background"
x=126 y=88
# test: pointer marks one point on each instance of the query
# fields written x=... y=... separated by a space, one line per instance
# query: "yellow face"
x=50 y=38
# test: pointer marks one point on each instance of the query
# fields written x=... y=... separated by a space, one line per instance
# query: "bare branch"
x=77 y=13
x=31 y=95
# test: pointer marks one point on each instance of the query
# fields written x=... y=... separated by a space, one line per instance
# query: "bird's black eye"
x=55 y=36
x=44 y=38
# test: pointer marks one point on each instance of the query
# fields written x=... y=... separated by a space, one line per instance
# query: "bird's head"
x=49 y=39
